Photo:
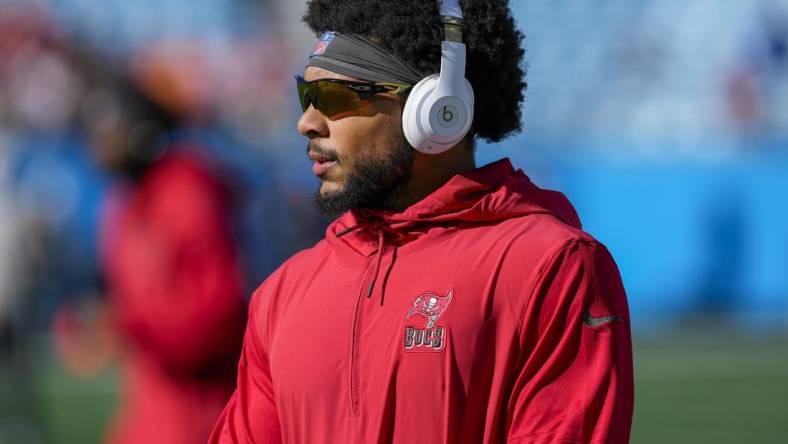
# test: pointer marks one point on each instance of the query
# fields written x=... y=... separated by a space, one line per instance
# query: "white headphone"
x=439 y=109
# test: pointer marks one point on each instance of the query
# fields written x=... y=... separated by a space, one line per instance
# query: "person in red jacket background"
x=448 y=303
x=172 y=272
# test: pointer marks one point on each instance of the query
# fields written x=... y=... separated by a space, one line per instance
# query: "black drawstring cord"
x=378 y=258
x=346 y=231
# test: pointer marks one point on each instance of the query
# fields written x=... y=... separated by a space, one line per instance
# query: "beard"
x=371 y=183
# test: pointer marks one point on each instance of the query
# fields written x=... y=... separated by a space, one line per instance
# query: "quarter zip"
x=366 y=290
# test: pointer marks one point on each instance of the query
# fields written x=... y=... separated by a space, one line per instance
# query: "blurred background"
x=665 y=122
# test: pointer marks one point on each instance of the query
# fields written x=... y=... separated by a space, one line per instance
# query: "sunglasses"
x=337 y=98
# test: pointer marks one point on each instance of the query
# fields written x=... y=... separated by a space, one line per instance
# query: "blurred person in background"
x=447 y=303
x=172 y=270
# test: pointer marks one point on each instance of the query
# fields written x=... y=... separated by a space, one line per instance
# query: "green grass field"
x=707 y=390
x=698 y=388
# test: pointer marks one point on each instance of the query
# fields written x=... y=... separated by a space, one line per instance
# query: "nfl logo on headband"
x=322 y=44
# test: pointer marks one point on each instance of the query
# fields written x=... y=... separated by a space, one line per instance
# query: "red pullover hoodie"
x=481 y=314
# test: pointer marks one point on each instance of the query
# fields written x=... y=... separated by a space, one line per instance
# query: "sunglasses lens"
x=330 y=98
x=305 y=92
x=336 y=99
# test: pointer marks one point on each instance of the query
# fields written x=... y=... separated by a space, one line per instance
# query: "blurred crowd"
x=687 y=75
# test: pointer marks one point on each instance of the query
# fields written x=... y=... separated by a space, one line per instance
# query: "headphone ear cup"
x=434 y=124
x=411 y=115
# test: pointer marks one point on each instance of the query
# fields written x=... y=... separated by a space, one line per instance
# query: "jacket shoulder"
x=298 y=264
x=542 y=234
x=271 y=296
x=533 y=244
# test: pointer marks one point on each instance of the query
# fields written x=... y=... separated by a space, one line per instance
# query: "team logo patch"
x=322 y=44
x=432 y=337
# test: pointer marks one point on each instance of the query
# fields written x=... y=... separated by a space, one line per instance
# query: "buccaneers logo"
x=431 y=306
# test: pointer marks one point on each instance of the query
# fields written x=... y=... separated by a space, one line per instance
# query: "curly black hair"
x=412 y=31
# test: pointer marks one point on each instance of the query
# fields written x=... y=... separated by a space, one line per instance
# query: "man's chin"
x=329 y=188
x=331 y=202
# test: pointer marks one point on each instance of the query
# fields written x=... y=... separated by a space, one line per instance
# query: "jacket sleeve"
x=251 y=415
x=574 y=381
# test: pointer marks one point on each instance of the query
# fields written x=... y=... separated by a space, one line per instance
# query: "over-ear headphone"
x=439 y=109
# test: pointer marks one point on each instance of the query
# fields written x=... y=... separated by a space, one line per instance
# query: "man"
x=447 y=303
x=172 y=271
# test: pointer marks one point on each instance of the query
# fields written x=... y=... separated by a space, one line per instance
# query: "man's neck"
x=430 y=172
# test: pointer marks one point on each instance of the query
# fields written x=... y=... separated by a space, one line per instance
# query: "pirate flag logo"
x=431 y=306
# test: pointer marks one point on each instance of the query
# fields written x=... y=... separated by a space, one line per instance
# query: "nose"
x=312 y=123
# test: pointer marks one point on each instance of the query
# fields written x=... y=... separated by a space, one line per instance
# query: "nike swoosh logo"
x=596 y=322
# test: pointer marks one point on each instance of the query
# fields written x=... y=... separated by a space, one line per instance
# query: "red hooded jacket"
x=481 y=314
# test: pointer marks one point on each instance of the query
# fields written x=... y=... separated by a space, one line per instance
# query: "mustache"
x=312 y=147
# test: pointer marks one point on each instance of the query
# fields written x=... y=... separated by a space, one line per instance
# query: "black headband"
x=358 y=57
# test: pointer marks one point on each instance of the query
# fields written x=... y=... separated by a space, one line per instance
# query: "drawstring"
x=386 y=274
x=378 y=259
x=346 y=231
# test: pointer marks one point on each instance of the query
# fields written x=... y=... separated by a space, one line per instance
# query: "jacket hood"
x=491 y=193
